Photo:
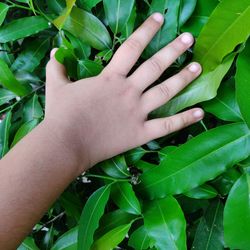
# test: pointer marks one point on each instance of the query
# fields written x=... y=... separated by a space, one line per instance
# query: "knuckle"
x=165 y=91
x=168 y=125
x=177 y=47
x=134 y=44
x=156 y=64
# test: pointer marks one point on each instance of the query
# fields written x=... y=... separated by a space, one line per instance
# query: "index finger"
x=130 y=51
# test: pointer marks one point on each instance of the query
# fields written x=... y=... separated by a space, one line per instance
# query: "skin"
x=89 y=121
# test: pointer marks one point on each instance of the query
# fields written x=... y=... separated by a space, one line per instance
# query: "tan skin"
x=89 y=121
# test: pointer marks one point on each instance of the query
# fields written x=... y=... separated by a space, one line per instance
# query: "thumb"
x=55 y=72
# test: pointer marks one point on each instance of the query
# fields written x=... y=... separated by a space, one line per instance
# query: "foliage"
x=188 y=190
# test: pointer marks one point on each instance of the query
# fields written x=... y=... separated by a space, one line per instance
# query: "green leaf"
x=3 y=12
x=59 y=22
x=87 y=68
x=5 y=54
x=209 y=234
x=237 y=215
x=22 y=27
x=6 y=96
x=88 y=28
x=124 y=197
x=32 y=109
x=24 y=130
x=111 y=239
x=243 y=82
x=134 y=155
x=8 y=80
x=91 y=214
x=224 y=105
x=200 y=159
x=170 y=28
x=115 y=167
x=203 y=192
x=57 y=6
x=213 y=50
x=187 y=8
x=165 y=223
x=112 y=220
x=31 y=56
x=117 y=13
x=139 y=239
x=4 y=134
x=67 y=241
x=89 y=4
x=28 y=244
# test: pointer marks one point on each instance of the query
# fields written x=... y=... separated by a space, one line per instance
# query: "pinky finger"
x=157 y=128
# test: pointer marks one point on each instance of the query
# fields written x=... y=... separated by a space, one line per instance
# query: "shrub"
x=190 y=189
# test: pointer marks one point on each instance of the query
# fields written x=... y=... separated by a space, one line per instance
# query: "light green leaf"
x=117 y=13
x=88 y=68
x=124 y=197
x=22 y=27
x=237 y=215
x=88 y=28
x=3 y=11
x=28 y=244
x=224 y=105
x=243 y=82
x=6 y=96
x=67 y=241
x=91 y=214
x=24 y=130
x=200 y=159
x=203 y=192
x=111 y=239
x=165 y=224
x=8 y=80
x=216 y=42
x=4 y=134
x=209 y=234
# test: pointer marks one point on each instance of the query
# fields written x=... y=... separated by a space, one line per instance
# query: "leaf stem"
x=203 y=125
x=106 y=178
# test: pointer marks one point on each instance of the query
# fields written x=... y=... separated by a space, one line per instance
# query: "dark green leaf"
x=209 y=234
x=4 y=134
x=32 y=109
x=90 y=217
x=3 y=11
x=5 y=96
x=203 y=192
x=28 y=244
x=22 y=27
x=87 y=68
x=237 y=215
x=187 y=8
x=165 y=223
x=200 y=159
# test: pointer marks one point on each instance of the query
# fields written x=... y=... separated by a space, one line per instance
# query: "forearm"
x=33 y=174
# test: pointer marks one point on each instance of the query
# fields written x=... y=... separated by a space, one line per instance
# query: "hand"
x=103 y=116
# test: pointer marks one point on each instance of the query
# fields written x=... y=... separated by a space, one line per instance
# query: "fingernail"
x=199 y=113
x=53 y=52
x=194 y=67
x=158 y=17
x=187 y=38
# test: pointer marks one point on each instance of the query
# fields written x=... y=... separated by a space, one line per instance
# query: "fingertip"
x=158 y=17
x=187 y=38
x=53 y=52
x=198 y=114
x=195 y=67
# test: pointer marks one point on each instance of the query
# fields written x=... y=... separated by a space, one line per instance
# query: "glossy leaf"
x=165 y=223
x=88 y=28
x=209 y=234
x=24 y=130
x=187 y=8
x=91 y=214
x=67 y=241
x=111 y=220
x=6 y=95
x=89 y=4
x=139 y=239
x=3 y=12
x=111 y=239
x=224 y=105
x=32 y=109
x=115 y=167
x=22 y=27
x=243 y=82
x=185 y=168
x=28 y=244
x=8 y=80
x=203 y=192
x=4 y=134
x=88 y=68
x=134 y=155
x=57 y=6
x=124 y=197
x=217 y=40
x=31 y=56
x=117 y=13
x=237 y=215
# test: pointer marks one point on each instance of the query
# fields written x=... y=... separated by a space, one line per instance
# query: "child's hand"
x=100 y=117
